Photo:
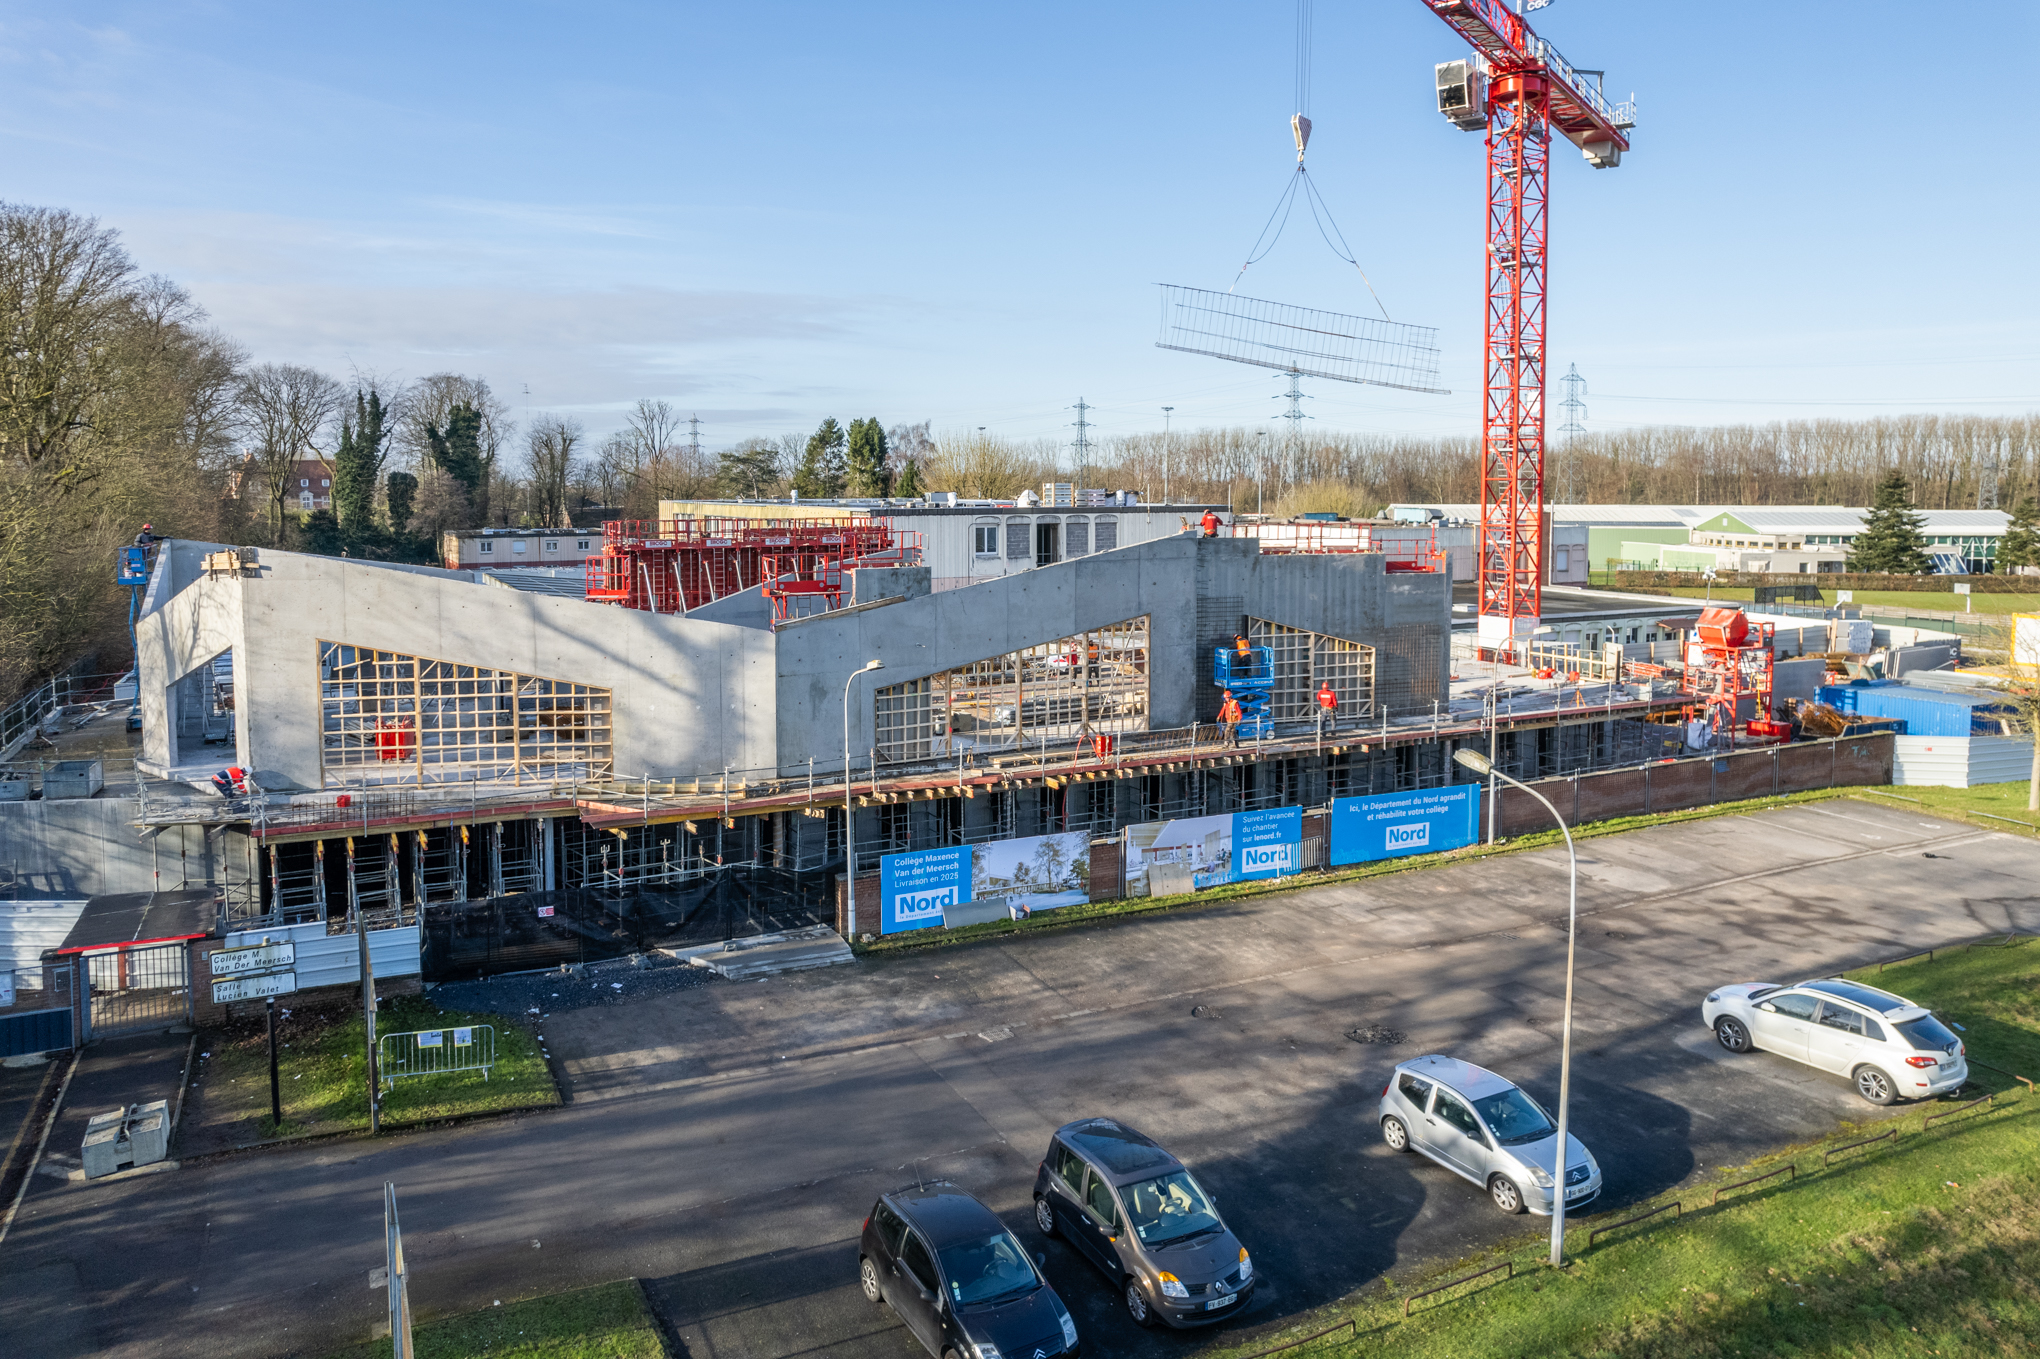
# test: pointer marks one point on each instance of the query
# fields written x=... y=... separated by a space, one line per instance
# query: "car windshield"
x=986 y=1269
x=1927 y=1032
x=1513 y=1117
x=1168 y=1208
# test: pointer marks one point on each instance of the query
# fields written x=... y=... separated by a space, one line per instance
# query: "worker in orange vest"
x=1210 y=524
x=1327 y=707
x=1229 y=718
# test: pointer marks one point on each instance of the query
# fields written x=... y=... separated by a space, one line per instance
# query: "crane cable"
x=1320 y=211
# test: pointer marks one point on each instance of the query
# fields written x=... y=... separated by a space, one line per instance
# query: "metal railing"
x=436 y=1052
x=28 y=712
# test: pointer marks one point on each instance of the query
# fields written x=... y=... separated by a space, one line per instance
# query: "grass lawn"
x=1926 y=1247
x=1999 y=803
x=324 y=1085
x=1932 y=601
x=610 y=1321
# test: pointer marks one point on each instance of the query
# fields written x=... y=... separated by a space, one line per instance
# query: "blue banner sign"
x=916 y=889
x=1389 y=825
x=1267 y=844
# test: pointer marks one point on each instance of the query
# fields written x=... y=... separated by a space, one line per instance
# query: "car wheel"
x=867 y=1275
x=1395 y=1134
x=1874 y=1085
x=1733 y=1035
x=1137 y=1304
x=950 y=1354
x=1507 y=1197
x=1044 y=1218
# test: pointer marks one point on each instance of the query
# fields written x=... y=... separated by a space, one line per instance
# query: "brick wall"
x=1108 y=877
x=1679 y=785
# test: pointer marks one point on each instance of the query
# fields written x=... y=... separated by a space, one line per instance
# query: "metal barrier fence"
x=436 y=1052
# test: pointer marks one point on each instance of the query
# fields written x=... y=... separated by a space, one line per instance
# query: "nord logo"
x=1409 y=836
x=1264 y=856
x=911 y=905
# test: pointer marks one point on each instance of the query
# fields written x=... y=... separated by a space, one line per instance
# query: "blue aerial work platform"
x=1251 y=677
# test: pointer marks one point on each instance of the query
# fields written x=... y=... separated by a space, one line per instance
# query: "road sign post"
x=275 y=1088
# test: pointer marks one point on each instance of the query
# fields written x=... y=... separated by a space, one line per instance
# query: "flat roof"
x=141 y=918
x=1759 y=518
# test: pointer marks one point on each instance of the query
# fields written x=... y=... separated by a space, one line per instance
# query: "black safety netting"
x=530 y=930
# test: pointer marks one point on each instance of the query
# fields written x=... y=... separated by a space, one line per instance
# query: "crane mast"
x=1517 y=88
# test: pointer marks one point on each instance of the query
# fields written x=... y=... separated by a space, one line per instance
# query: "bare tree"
x=426 y=406
x=285 y=410
x=550 y=453
x=65 y=285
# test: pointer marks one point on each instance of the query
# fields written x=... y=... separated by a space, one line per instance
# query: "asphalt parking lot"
x=724 y=1142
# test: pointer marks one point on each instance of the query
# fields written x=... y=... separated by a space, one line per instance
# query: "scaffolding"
x=1090 y=688
x=1405 y=548
x=676 y=565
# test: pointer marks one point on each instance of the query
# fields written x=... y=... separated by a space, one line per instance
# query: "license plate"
x=1581 y=1192
x=1226 y=1301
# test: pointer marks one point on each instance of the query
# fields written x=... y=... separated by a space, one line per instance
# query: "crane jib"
x=1505 y=39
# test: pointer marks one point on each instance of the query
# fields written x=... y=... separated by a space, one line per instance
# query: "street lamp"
x=1481 y=764
x=849 y=813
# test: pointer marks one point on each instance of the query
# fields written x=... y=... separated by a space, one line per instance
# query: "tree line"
x=1948 y=462
x=121 y=404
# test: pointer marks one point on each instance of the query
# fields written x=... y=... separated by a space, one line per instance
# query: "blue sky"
x=772 y=212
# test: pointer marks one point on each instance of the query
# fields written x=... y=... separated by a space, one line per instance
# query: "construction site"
x=741 y=721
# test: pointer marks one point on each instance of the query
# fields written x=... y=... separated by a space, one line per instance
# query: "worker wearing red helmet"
x=1327 y=707
x=1229 y=718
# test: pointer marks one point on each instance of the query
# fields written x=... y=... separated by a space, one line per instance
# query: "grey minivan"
x=1140 y=1216
x=1476 y=1124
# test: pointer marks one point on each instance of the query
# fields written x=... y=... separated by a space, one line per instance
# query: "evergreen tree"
x=319 y=533
x=1891 y=540
x=748 y=471
x=2021 y=544
x=400 y=490
x=821 y=470
x=457 y=451
x=355 y=467
x=909 y=487
x=868 y=473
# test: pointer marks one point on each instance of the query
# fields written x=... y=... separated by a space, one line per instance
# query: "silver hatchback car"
x=1475 y=1124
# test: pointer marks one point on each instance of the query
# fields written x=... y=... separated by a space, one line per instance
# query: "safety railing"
x=436 y=1052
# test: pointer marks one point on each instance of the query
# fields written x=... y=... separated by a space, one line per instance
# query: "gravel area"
x=534 y=995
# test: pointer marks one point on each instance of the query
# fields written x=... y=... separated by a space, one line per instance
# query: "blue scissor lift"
x=1251 y=678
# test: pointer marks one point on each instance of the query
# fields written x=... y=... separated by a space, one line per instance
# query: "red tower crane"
x=1517 y=88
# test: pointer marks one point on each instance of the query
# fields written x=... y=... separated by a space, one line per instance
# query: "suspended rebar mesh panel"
x=1299 y=339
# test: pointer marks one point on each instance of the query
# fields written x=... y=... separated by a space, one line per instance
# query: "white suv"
x=1891 y=1048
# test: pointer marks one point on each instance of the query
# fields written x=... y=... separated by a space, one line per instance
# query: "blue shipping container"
x=1926 y=712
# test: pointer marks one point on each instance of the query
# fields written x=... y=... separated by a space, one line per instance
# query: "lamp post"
x=849 y=812
x=1480 y=764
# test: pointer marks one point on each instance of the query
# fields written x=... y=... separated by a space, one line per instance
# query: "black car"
x=959 y=1279
x=1141 y=1216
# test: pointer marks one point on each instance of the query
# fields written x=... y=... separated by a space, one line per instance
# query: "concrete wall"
x=697 y=694
x=85 y=847
x=687 y=694
x=1195 y=591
